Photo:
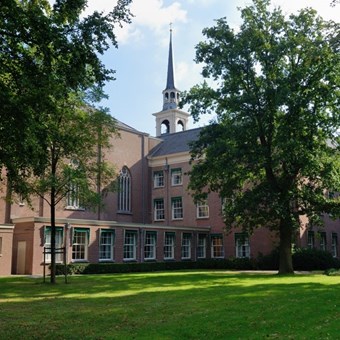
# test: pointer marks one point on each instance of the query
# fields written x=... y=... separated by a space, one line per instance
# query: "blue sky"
x=141 y=58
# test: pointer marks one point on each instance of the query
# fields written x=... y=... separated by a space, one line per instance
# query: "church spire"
x=170 y=94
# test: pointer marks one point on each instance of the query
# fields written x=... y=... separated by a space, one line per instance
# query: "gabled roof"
x=175 y=142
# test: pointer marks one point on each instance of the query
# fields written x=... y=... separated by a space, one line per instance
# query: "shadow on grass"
x=172 y=305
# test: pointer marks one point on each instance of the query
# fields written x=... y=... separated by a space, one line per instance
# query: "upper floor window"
x=242 y=245
x=124 y=190
x=158 y=179
x=176 y=176
x=159 y=214
x=73 y=200
x=177 y=208
x=202 y=209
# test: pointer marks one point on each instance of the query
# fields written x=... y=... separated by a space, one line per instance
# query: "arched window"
x=180 y=125
x=124 y=190
x=165 y=127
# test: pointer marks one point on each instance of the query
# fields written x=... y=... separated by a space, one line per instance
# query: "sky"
x=141 y=59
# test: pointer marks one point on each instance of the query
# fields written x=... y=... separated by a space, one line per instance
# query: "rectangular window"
x=177 y=208
x=186 y=246
x=323 y=240
x=202 y=209
x=73 y=198
x=150 y=241
x=242 y=245
x=59 y=242
x=217 y=246
x=202 y=246
x=310 y=240
x=158 y=179
x=335 y=244
x=169 y=246
x=176 y=176
x=159 y=214
x=80 y=244
x=130 y=245
x=106 y=245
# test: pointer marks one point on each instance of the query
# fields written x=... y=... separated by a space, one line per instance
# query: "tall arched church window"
x=124 y=190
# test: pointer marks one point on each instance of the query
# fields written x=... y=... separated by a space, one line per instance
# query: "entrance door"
x=21 y=257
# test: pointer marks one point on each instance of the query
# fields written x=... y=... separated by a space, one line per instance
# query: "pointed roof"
x=170 y=83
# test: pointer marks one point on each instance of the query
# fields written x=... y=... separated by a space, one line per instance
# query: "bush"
x=268 y=262
x=313 y=259
x=332 y=272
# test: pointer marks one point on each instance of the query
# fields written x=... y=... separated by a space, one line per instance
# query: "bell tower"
x=170 y=119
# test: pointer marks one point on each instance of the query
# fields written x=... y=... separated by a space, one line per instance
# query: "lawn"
x=172 y=305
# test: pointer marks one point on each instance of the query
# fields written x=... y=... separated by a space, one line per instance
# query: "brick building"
x=151 y=218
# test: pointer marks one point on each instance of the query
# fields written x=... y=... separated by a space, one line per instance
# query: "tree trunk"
x=286 y=261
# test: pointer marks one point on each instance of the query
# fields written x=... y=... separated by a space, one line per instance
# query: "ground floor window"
x=310 y=239
x=80 y=243
x=169 y=246
x=186 y=246
x=59 y=242
x=335 y=244
x=130 y=245
x=106 y=245
x=217 y=246
x=202 y=246
x=150 y=241
x=322 y=238
x=242 y=245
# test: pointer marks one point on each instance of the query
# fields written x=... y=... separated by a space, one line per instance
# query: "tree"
x=49 y=67
x=273 y=150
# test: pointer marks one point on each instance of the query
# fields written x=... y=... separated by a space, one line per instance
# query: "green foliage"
x=332 y=272
x=273 y=149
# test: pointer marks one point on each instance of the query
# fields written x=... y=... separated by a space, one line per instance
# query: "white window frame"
x=159 y=211
x=80 y=248
x=150 y=243
x=124 y=191
x=177 y=208
x=59 y=243
x=176 y=177
x=158 y=179
x=335 y=244
x=202 y=209
x=130 y=245
x=73 y=201
x=106 y=245
x=217 y=248
x=242 y=246
x=201 y=246
x=186 y=246
x=169 y=246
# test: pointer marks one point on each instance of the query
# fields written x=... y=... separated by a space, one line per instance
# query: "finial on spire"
x=170 y=27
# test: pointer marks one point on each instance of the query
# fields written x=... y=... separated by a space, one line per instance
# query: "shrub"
x=332 y=272
x=269 y=261
x=313 y=259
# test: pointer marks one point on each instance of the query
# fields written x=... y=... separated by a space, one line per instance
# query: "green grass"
x=172 y=305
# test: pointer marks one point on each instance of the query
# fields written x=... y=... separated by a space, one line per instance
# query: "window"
x=242 y=245
x=159 y=209
x=310 y=240
x=202 y=209
x=201 y=246
x=323 y=240
x=176 y=176
x=80 y=243
x=124 y=190
x=177 y=208
x=158 y=179
x=73 y=200
x=130 y=245
x=335 y=244
x=169 y=246
x=217 y=246
x=106 y=245
x=0 y=246
x=150 y=245
x=186 y=246
x=59 y=241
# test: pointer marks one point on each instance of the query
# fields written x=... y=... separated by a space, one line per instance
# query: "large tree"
x=49 y=66
x=273 y=150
